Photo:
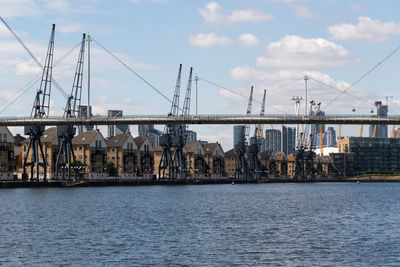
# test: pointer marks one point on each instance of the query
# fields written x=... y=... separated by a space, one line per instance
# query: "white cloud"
x=209 y=40
x=301 y=11
x=28 y=68
x=214 y=15
x=19 y=8
x=367 y=30
x=293 y=51
x=248 y=39
x=281 y=85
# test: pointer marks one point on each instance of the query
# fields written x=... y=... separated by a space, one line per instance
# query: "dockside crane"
x=180 y=138
x=65 y=133
x=40 y=109
x=254 y=148
x=166 y=165
x=240 y=148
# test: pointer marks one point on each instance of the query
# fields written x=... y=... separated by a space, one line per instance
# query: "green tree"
x=111 y=169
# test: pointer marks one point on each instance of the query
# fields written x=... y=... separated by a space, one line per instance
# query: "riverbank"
x=188 y=181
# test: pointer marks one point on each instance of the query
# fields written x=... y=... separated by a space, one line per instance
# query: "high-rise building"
x=151 y=132
x=331 y=137
x=191 y=136
x=288 y=140
x=273 y=140
x=238 y=134
x=381 y=130
x=114 y=130
x=82 y=113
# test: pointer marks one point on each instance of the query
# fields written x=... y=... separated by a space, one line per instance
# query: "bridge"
x=203 y=119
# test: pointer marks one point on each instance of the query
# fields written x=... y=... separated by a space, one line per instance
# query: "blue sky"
x=265 y=43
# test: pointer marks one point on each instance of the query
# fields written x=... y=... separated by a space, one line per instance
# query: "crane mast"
x=40 y=109
x=66 y=132
x=166 y=165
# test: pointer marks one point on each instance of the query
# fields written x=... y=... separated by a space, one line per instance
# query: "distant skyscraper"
x=114 y=130
x=331 y=137
x=273 y=140
x=238 y=133
x=381 y=130
x=288 y=140
x=82 y=113
x=151 y=132
x=190 y=136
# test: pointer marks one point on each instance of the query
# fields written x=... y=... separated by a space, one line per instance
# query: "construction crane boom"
x=41 y=104
x=74 y=99
x=175 y=100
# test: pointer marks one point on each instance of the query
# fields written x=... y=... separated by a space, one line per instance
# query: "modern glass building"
x=381 y=130
x=114 y=130
x=238 y=134
x=273 y=140
x=373 y=154
x=288 y=140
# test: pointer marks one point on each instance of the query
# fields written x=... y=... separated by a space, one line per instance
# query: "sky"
x=236 y=44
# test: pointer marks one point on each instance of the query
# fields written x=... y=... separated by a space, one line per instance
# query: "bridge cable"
x=131 y=70
x=255 y=100
x=332 y=87
x=26 y=88
x=363 y=76
x=63 y=93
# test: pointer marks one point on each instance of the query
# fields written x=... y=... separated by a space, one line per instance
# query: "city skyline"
x=234 y=45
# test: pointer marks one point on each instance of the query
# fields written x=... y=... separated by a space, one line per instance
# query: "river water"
x=319 y=224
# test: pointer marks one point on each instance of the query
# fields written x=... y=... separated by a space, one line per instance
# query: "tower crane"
x=166 y=161
x=254 y=147
x=240 y=148
x=40 y=109
x=180 y=138
x=65 y=133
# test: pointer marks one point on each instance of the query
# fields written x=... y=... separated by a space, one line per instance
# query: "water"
x=321 y=224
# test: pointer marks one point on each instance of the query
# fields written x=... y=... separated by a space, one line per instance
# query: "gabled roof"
x=280 y=155
x=230 y=153
x=210 y=147
x=118 y=141
x=191 y=146
x=85 y=138
x=139 y=140
x=49 y=135
x=18 y=139
x=267 y=154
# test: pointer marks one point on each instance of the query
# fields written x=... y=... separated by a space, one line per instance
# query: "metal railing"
x=203 y=119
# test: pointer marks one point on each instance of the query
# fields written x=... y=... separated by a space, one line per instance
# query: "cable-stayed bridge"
x=203 y=119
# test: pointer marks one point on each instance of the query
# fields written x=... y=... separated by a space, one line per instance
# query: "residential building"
x=121 y=150
x=90 y=150
x=230 y=162
x=50 y=145
x=268 y=163
x=195 y=159
x=114 y=130
x=381 y=130
x=7 y=161
x=145 y=156
x=343 y=164
x=288 y=140
x=18 y=155
x=373 y=154
x=214 y=157
x=273 y=140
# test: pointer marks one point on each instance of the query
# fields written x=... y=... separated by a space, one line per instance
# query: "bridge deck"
x=203 y=119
